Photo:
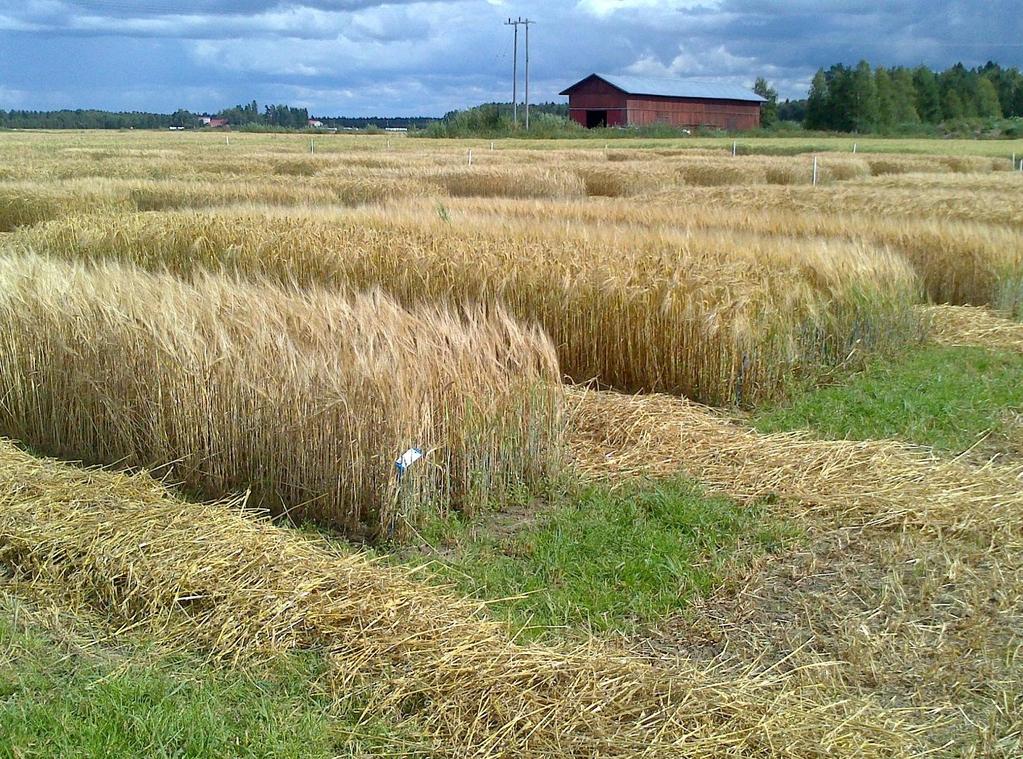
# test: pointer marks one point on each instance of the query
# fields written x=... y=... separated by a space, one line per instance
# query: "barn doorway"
x=596 y=119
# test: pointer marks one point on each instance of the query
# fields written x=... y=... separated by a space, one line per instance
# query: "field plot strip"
x=305 y=402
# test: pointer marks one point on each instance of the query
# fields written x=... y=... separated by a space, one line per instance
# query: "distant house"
x=212 y=122
x=603 y=101
x=315 y=123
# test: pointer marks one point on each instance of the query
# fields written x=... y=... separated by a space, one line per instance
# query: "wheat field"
x=366 y=337
x=666 y=268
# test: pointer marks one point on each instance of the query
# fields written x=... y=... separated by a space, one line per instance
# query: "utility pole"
x=515 y=68
x=515 y=72
x=527 y=22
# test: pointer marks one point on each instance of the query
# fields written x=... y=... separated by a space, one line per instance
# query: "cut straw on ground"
x=218 y=578
x=973 y=325
x=851 y=482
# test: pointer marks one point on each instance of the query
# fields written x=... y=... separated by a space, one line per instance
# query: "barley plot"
x=719 y=316
x=305 y=398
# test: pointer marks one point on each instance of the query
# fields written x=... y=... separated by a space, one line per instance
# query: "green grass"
x=948 y=398
x=60 y=699
x=599 y=559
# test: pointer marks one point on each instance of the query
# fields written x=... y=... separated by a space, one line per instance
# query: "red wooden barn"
x=600 y=100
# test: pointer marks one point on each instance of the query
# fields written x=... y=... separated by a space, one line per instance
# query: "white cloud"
x=305 y=20
x=604 y=8
x=13 y=98
x=15 y=24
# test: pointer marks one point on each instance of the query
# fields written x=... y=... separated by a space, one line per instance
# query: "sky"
x=406 y=57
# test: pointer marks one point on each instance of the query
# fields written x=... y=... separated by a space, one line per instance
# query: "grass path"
x=599 y=559
x=951 y=398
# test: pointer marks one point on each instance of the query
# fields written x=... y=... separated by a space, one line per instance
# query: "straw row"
x=214 y=577
x=972 y=325
x=305 y=398
x=868 y=483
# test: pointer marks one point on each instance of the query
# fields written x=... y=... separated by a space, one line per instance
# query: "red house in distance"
x=600 y=100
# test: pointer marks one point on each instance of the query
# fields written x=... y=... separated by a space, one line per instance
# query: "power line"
x=515 y=68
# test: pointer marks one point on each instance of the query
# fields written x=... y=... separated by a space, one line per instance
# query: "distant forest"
x=287 y=117
x=862 y=98
x=249 y=116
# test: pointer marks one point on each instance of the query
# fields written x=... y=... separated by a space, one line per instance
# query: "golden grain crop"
x=305 y=398
x=717 y=292
x=957 y=262
x=718 y=316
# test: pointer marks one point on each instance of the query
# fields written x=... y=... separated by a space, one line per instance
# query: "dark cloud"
x=371 y=57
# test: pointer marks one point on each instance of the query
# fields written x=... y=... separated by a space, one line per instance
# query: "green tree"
x=817 y=103
x=987 y=99
x=928 y=95
x=182 y=118
x=863 y=98
x=885 y=98
x=1009 y=84
x=792 y=110
x=964 y=84
x=769 y=110
x=904 y=97
x=952 y=105
x=841 y=99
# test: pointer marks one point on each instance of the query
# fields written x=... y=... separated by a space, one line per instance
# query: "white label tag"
x=407 y=459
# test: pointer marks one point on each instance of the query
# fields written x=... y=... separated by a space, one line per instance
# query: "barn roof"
x=707 y=89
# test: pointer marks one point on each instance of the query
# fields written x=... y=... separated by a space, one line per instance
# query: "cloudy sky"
x=406 y=57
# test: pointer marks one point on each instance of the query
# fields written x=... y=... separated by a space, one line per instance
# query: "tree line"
x=93 y=119
x=247 y=116
x=863 y=98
